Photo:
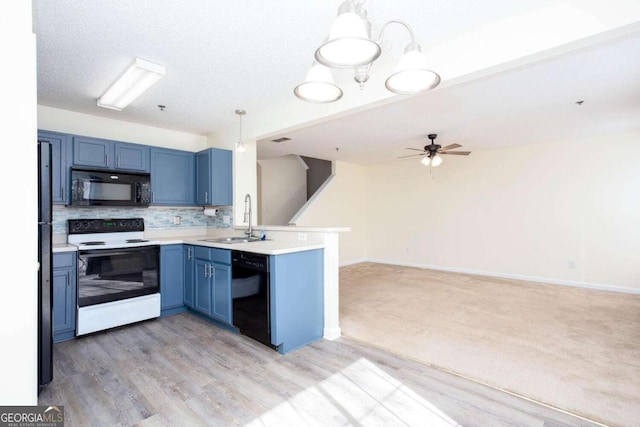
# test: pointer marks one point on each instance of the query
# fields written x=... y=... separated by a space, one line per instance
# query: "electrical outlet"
x=226 y=219
x=302 y=236
x=571 y=263
x=177 y=220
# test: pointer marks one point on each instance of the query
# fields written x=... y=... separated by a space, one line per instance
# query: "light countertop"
x=266 y=247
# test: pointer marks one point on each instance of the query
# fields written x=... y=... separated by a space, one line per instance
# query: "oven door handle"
x=102 y=252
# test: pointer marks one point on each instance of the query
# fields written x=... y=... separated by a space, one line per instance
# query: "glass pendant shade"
x=318 y=87
x=240 y=147
x=425 y=161
x=436 y=161
x=349 y=45
x=412 y=75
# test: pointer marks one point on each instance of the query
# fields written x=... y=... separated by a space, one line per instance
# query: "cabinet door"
x=171 y=276
x=214 y=177
x=64 y=307
x=189 y=266
x=92 y=152
x=221 y=177
x=221 y=306
x=203 y=178
x=131 y=156
x=202 y=286
x=172 y=177
x=60 y=157
x=64 y=296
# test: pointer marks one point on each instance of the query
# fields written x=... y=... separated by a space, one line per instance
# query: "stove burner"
x=92 y=243
x=136 y=240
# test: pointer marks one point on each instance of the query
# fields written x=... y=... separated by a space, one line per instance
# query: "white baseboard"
x=332 y=333
x=354 y=261
x=546 y=280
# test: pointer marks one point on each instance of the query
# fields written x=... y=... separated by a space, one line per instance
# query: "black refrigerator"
x=45 y=270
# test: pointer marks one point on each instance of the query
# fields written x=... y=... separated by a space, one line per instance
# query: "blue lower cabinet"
x=171 y=279
x=211 y=283
x=221 y=292
x=189 y=268
x=202 y=287
x=297 y=299
x=64 y=296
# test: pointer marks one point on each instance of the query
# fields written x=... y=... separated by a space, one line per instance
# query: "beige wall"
x=283 y=189
x=55 y=119
x=342 y=204
x=520 y=211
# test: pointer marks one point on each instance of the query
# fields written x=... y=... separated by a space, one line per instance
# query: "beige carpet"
x=573 y=348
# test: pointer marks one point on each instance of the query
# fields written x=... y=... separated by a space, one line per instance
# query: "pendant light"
x=240 y=144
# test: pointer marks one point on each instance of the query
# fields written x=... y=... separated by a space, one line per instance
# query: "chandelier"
x=349 y=45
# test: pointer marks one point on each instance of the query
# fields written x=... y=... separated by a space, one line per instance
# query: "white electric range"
x=118 y=273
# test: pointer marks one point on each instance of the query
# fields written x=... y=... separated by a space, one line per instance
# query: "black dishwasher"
x=250 y=295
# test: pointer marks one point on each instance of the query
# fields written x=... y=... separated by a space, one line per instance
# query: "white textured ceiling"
x=224 y=55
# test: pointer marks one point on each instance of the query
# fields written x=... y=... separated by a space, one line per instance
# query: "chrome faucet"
x=247 y=215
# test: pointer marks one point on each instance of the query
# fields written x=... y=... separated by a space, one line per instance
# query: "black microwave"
x=92 y=187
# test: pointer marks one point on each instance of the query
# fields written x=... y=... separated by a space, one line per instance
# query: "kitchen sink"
x=237 y=239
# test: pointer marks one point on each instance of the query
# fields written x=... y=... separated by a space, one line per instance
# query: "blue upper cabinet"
x=172 y=177
x=104 y=153
x=60 y=158
x=214 y=177
x=131 y=156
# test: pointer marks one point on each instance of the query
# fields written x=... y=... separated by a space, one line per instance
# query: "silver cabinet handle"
x=206 y=270
x=68 y=278
x=106 y=159
x=188 y=253
x=206 y=196
x=153 y=197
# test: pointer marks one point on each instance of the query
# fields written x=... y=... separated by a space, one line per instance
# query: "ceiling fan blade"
x=457 y=153
x=450 y=147
x=416 y=149
x=412 y=155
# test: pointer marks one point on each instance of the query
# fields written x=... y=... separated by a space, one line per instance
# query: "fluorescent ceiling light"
x=134 y=82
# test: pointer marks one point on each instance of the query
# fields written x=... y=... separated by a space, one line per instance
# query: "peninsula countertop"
x=266 y=247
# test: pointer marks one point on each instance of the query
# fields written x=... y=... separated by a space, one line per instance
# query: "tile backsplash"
x=155 y=218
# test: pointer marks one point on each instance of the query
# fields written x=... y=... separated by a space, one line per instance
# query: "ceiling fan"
x=433 y=151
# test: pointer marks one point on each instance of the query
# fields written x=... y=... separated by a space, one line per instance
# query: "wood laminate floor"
x=183 y=371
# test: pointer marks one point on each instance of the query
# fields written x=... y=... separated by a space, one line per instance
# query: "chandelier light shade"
x=240 y=144
x=426 y=160
x=350 y=45
x=318 y=87
x=139 y=77
x=412 y=75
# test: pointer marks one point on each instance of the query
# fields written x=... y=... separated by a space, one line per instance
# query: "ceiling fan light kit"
x=349 y=45
x=433 y=152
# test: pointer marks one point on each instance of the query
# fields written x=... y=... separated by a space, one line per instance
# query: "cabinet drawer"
x=61 y=260
x=222 y=256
